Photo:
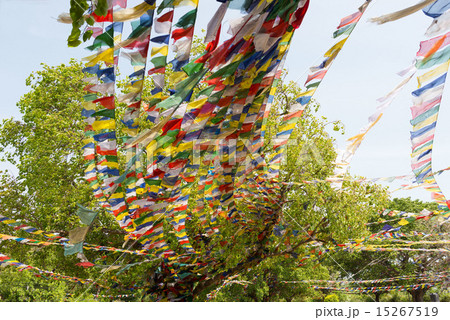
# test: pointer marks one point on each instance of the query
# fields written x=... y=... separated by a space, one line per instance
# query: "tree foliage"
x=378 y=265
x=45 y=145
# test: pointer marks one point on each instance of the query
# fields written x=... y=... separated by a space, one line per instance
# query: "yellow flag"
x=89 y=105
x=197 y=103
x=421 y=150
x=180 y=3
x=106 y=56
x=427 y=122
x=114 y=165
x=132 y=13
x=308 y=93
x=176 y=77
x=336 y=48
x=104 y=124
x=443 y=68
x=89 y=140
x=164 y=50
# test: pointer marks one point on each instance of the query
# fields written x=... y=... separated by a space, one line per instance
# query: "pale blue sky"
x=364 y=71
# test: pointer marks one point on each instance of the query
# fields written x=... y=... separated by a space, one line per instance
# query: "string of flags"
x=411 y=243
x=387 y=234
x=156 y=184
x=426 y=102
x=7 y=261
x=142 y=216
x=343 y=32
x=420 y=277
x=394 y=213
x=427 y=99
x=112 y=297
x=412 y=287
x=406 y=218
x=395 y=235
x=345 y=156
x=18 y=225
x=430 y=8
x=431 y=280
x=340 y=180
x=203 y=129
x=85 y=246
x=432 y=56
x=228 y=282
x=319 y=251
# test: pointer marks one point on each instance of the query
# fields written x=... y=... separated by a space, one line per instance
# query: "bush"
x=331 y=298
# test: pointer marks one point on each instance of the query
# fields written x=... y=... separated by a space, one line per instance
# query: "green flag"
x=86 y=216
x=70 y=249
x=77 y=235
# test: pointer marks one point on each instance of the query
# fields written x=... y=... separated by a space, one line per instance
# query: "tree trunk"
x=377 y=296
x=417 y=295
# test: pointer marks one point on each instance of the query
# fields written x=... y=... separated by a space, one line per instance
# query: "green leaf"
x=87 y=35
x=90 y=21
x=101 y=8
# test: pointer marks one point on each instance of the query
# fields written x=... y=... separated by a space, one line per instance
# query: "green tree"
x=312 y=213
x=409 y=205
x=368 y=265
x=46 y=146
x=423 y=262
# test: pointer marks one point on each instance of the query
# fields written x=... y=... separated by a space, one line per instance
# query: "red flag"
x=85 y=264
x=107 y=102
x=107 y=18
x=166 y=17
x=180 y=33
